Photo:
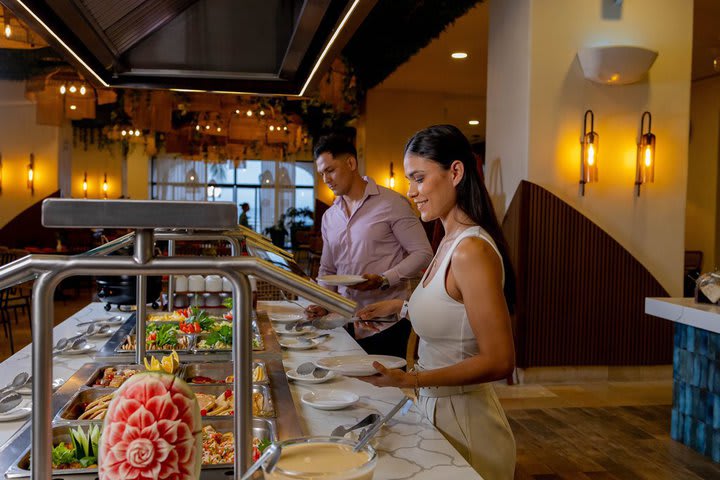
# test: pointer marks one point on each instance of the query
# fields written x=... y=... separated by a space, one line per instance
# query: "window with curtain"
x=269 y=187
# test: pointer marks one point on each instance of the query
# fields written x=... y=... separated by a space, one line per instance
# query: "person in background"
x=370 y=231
x=243 y=220
x=460 y=310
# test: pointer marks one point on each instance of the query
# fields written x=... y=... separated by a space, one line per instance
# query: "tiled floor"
x=601 y=430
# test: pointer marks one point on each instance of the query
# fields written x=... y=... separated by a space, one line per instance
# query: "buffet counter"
x=696 y=371
x=409 y=446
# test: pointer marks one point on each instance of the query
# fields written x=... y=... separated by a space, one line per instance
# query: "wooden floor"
x=584 y=431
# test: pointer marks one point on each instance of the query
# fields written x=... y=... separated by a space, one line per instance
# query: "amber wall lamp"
x=392 y=177
x=645 y=165
x=1 y=173
x=85 y=185
x=31 y=174
x=105 y=186
x=588 y=152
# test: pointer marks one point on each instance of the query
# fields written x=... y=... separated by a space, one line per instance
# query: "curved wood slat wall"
x=581 y=295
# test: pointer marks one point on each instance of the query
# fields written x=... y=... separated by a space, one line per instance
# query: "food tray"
x=99 y=372
x=219 y=371
x=268 y=408
x=258 y=344
x=262 y=428
x=76 y=405
x=191 y=343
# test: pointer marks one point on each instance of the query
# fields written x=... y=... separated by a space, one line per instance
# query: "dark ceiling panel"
x=144 y=21
x=107 y=12
x=259 y=46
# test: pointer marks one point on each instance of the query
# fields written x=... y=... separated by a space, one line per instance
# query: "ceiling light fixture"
x=459 y=55
x=473 y=122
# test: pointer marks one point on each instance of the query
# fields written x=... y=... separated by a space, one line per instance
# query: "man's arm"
x=411 y=235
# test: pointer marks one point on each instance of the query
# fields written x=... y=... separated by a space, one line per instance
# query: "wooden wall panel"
x=581 y=295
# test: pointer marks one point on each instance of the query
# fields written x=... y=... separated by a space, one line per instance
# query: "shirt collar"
x=371 y=188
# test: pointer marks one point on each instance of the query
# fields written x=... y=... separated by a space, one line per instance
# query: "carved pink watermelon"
x=152 y=430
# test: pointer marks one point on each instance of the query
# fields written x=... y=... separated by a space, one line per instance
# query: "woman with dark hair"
x=460 y=309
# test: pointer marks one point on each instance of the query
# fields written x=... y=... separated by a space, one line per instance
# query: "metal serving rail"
x=144 y=217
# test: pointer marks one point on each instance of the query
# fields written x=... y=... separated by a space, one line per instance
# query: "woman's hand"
x=380 y=309
x=389 y=378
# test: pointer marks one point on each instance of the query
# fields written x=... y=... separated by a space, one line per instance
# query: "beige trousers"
x=476 y=425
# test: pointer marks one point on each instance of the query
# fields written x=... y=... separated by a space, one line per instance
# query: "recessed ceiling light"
x=458 y=55
x=474 y=122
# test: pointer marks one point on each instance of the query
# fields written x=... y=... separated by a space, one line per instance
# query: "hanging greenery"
x=21 y=64
x=380 y=45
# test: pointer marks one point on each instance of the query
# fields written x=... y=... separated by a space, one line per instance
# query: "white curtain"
x=277 y=192
x=179 y=179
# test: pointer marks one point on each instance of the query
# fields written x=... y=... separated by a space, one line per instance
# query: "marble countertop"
x=409 y=446
x=685 y=311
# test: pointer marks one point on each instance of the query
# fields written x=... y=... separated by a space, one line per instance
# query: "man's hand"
x=373 y=282
x=315 y=311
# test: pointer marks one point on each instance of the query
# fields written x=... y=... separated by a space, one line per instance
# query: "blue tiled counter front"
x=696 y=390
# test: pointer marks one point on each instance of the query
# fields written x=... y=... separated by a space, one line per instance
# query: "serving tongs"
x=375 y=427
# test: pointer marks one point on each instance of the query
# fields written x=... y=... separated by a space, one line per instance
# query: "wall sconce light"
x=105 y=186
x=645 y=169
x=31 y=174
x=391 y=182
x=85 y=185
x=588 y=153
x=1 y=172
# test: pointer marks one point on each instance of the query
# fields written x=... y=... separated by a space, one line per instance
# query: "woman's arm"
x=475 y=278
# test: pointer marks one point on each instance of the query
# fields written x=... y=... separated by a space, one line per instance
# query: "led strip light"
x=77 y=57
x=104 y=83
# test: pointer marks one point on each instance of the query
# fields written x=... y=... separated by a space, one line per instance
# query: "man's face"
x=336 y=172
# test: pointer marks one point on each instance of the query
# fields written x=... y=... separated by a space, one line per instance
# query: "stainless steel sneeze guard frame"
x=133 y=214
x=51 y=270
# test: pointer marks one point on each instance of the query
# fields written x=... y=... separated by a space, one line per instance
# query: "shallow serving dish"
x=267 y=408
x=188 y=349
x=219 y=371
x=76 y=405
x=100 y=371
x=258 y=344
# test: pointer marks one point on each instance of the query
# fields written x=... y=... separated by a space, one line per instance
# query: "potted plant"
x=277 y=232
x=298 y=219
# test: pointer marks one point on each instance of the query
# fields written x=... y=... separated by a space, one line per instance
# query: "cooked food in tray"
x=220 y=339
x=97 y=409
x=223 y=404
x=259 y=376
x=80 y=452
x=175 y=316
x=219 y=448
x=160 y=337
x=114 y=377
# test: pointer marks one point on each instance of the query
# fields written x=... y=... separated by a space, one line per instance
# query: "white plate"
x=330 y=399
x=293 y=375
x=17 y=413
x=292 y=343
x=359 y=365
x=307 y=329
x=344 y=280
x=285 y=317
x=87 y=348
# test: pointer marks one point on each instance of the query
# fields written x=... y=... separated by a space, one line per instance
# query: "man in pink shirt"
x=370 y=231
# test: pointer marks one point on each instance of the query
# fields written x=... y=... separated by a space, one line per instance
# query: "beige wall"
x=109 y=159
x=701 y=227
x=651 y=227
x=393 y=116
x=20 y=136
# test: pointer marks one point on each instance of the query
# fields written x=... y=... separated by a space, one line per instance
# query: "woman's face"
x=432 y=188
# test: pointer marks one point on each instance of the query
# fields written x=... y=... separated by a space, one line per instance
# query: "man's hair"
x=245 y=205
x=335 y=145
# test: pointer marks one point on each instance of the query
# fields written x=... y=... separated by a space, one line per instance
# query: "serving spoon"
x=19 y=380
x=9 y=401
